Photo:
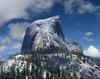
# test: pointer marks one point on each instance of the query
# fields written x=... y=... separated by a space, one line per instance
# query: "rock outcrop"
x=74 y=47
x=43 y=34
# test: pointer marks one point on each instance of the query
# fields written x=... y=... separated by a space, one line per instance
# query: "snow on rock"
x=42 y=34
x=74 y=47
x=18 y=62
x=90 y=70
x=44 y=74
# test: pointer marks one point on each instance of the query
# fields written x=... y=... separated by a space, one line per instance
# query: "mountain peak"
x=46 y=55
x=43 y=34
x=54 y=18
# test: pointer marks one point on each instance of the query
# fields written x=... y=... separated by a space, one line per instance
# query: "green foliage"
x=51 y=68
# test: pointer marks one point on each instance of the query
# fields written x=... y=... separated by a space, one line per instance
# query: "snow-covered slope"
x=18 y=62
x=41 y=34
x=84 y=67
x=47 y=34
x=74 y=47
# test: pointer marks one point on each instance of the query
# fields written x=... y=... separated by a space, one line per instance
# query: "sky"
x=80 y=21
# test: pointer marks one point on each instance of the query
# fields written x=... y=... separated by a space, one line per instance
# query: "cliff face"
x=74 y=47
x=43 y=34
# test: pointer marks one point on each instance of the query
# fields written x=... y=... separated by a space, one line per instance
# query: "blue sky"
x=80 y=20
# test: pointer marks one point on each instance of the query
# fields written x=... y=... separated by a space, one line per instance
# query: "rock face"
x=74 y=47
x=43 y=34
